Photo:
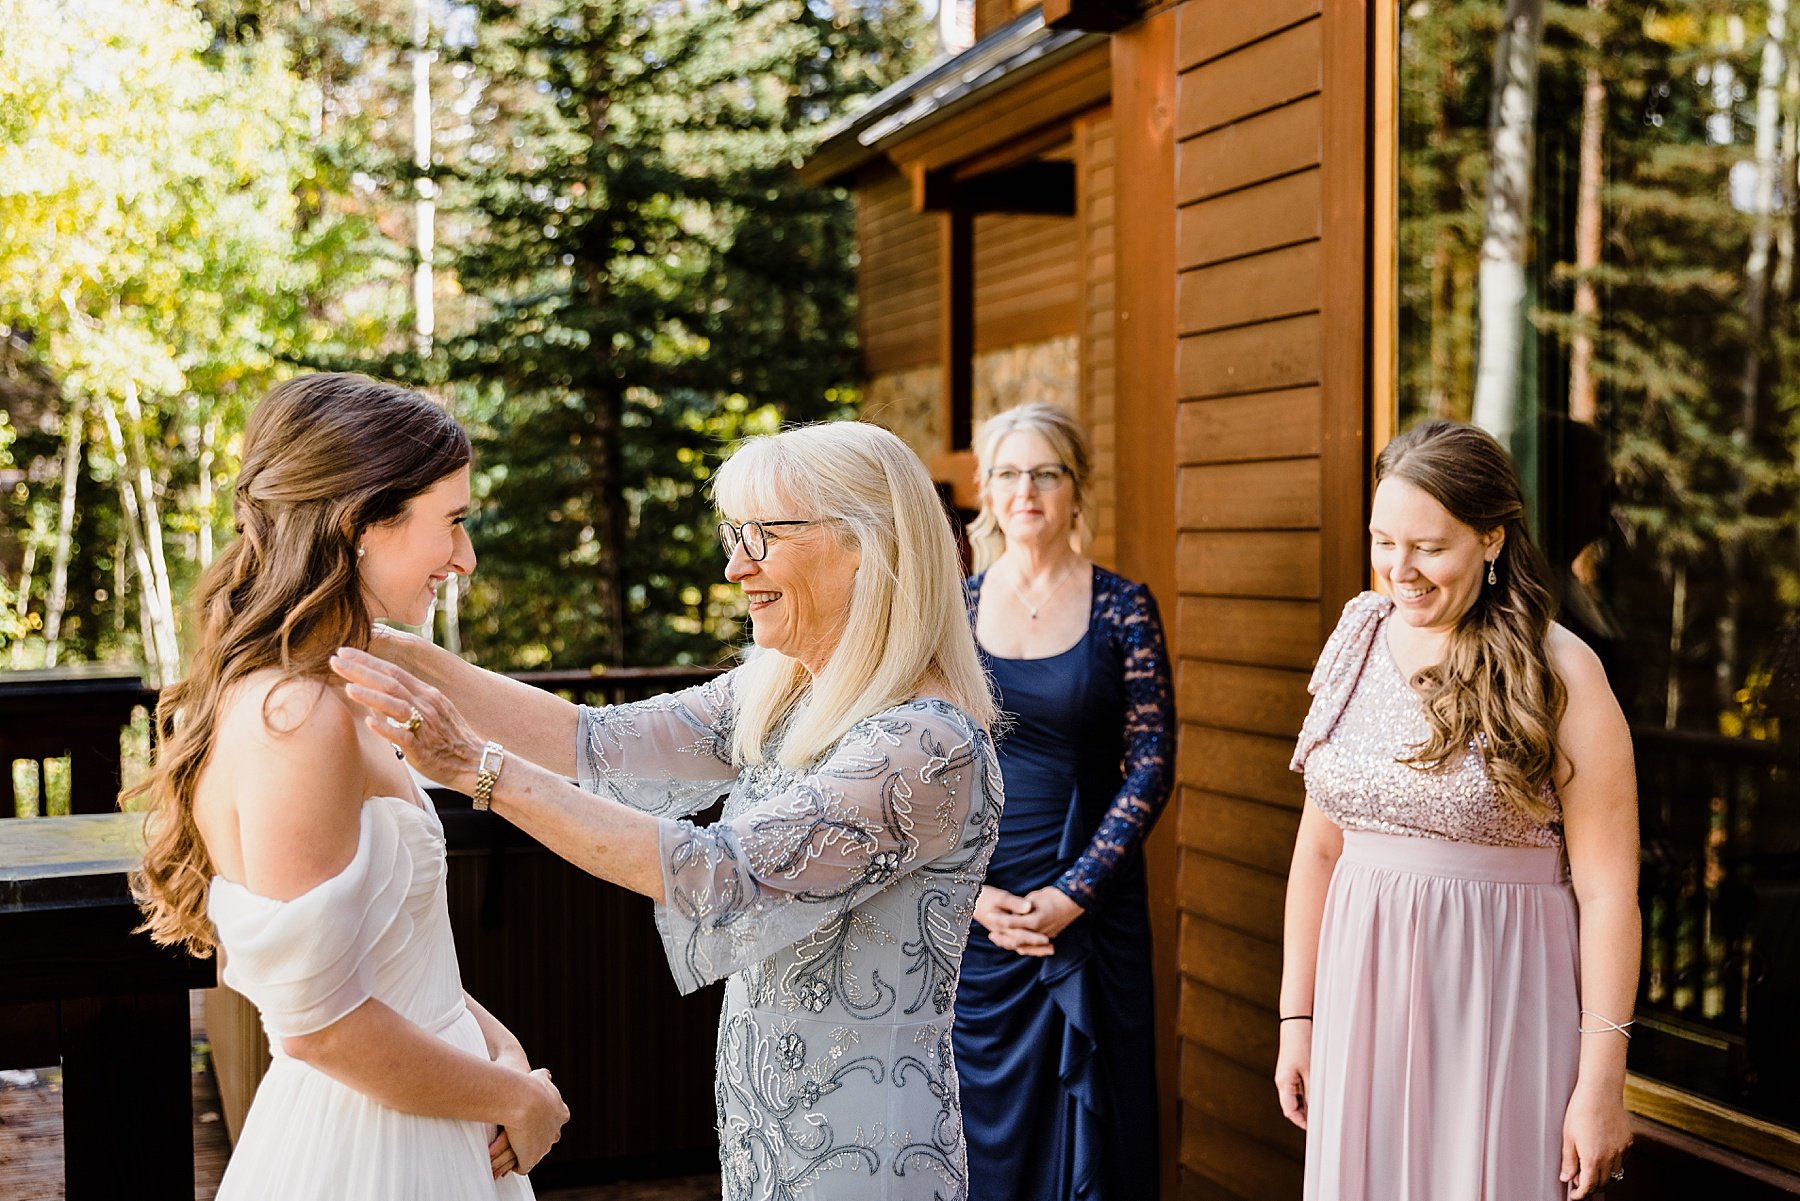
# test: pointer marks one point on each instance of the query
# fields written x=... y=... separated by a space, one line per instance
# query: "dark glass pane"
x=1653 y=403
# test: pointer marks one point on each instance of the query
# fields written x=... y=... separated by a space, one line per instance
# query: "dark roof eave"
x=1003 y=60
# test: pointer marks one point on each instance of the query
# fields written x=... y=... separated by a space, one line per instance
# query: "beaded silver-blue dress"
x=835 y=902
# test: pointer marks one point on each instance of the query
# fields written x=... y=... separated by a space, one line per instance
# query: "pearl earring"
x=361 y=551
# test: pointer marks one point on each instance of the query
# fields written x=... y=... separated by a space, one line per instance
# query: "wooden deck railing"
x=573 y=965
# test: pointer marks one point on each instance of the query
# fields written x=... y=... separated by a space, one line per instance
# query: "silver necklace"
x=1033 y=609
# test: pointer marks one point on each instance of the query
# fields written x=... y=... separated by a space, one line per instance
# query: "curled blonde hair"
x=325 y=458
x=1068 y=441
x=907 y=630
x=1495 y=688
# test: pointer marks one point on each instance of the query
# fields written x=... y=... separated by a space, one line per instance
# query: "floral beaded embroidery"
x=836 y=901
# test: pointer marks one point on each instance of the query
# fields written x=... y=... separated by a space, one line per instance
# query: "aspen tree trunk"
x=424 y=247
x=22 y=604
x=74 y=438
x=152 y=576
x=1757 y=270
x=1584 y=397
x=209 y=442
x=1507 y=227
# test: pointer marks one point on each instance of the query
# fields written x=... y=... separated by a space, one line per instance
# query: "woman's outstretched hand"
x=439 y=743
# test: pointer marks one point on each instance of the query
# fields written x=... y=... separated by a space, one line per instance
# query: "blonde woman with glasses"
x=862 y=801
x=1053 y=1024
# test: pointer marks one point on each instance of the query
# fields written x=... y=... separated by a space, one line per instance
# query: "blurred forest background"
x=575 y=220
x=1621 y=176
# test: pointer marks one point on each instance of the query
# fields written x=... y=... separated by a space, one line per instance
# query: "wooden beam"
x=1092 y=16
x=1344 y=365
x=956 y=281
x=1143 y=72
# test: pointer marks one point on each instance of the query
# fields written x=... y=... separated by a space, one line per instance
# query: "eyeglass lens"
x=750 y=534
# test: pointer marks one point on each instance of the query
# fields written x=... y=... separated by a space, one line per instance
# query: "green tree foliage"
x=645 y=281
x=147 y=199
x=1706 y=481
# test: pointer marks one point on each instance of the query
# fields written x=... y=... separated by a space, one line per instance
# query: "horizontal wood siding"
x=1097 y=172
x=897 y=280
x=1250 y=366
x=1027 y=280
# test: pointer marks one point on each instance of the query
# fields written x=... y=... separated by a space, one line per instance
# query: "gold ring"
x=413 y=721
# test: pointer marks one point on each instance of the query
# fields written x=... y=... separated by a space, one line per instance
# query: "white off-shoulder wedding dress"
x=378 y=929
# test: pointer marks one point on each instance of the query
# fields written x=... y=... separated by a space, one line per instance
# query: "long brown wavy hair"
x=1495 y=689
x=325 y=458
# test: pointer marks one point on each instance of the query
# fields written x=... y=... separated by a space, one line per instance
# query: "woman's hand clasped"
x=1026 y=925
x=1595 y=1135
x=531 y=1138
x=1293 y=1069
x=413 y=716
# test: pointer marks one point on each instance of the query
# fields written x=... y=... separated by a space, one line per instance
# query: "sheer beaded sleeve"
x=669 y=755
x=1127 y=612
x=891 y=799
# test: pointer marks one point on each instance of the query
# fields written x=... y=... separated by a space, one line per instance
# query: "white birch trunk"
x=1584 y=393
x=22 y=602
x=57 y=599
x=1757 y=269
x=159 y=644
x=209 y=441
x=1506 y=231
x=424 y=206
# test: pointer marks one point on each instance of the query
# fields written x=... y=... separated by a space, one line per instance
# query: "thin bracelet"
x=1298 y=1017
x=1604 y=1025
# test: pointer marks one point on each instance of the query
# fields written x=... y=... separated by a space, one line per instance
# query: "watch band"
x=493 y=758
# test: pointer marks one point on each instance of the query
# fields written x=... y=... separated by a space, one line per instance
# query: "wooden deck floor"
x=31 y=1148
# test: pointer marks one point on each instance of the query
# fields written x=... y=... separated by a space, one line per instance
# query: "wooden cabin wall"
x=1262 y=378
x=1027 y=280
x=992 y=14
x=897 y=280
x=1030 y=293
x=1095 y=207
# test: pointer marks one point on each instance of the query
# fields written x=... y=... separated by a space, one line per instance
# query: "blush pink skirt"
x=1444 y=1024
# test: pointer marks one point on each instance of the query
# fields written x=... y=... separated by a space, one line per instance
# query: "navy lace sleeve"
x=1128 y=613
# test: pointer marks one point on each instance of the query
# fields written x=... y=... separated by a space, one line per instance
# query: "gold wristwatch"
x=493 y=757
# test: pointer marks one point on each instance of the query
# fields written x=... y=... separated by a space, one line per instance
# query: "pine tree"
x=644 y=280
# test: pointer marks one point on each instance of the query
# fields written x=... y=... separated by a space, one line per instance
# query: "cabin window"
x=1595 y=258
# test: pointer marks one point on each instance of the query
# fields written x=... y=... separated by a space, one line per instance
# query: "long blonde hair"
x=326 y=457
x=1067 y=440
x=907 y=630
x=1495 y=688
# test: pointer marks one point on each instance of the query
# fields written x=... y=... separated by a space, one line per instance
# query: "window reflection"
x=1616 y=181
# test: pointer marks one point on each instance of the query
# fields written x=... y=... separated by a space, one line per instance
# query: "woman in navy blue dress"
x=1054 y=1040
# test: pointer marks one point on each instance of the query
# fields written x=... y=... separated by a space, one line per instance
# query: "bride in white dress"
x=288 y=835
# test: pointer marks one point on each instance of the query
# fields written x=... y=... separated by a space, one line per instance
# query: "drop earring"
x=1492 y=578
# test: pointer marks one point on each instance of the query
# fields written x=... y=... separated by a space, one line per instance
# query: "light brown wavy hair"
x=325 y=458
x=1495 y=688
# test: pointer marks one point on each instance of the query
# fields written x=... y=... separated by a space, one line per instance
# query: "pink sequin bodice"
x=1365 y=716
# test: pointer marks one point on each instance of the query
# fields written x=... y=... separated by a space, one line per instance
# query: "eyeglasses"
x=754 y=536
x=1047 y=478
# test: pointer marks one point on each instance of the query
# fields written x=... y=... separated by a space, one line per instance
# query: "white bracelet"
x=1604 y=1025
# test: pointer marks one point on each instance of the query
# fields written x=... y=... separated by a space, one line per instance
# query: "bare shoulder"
x=1575 y=662
x=288 y=763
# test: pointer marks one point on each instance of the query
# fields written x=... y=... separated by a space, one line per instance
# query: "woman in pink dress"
x=1451 y=1029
